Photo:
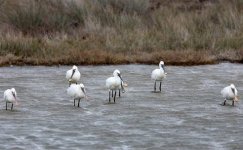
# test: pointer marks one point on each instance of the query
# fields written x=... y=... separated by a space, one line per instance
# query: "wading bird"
x=113 y=84
x=230 y=93
x=159 y=75
x=10 y=96
x=77 y=92
x=73 y=75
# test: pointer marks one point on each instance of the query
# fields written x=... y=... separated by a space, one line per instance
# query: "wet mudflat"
x=186 y=115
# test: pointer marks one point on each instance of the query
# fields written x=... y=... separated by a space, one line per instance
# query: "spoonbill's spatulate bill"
x=230 y=93
x=10 y=96
x=73 y=75
x=158 y=75
x=77 y=92
x=113 y=84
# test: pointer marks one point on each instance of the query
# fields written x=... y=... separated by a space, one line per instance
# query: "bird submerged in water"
x=73 y=75
x=230 y=93
x=159 y=75
x=10 y=96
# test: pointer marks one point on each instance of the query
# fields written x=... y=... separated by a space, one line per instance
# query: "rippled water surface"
x=186 y=115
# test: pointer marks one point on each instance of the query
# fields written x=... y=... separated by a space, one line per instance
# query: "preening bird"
x=10 y=96
x=158 y=75
x=77 y=92
x=113 y=84
x=73 y=75
x=230 y=93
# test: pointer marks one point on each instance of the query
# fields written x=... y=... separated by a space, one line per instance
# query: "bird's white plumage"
x=10 y=95
x=230 y=92
x=159 y=74
x=113 y=83
x=76 y=91
x=73 y=75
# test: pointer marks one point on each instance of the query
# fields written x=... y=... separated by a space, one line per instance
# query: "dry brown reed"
x=52 y=32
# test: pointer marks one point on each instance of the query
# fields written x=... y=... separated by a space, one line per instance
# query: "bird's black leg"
x=109 y=96
x=78 y=102
x=155 y=86
x=119 y=93
x=224 y=102
x=74 y=102
x=160 y=86
x=6 y=106
x=12 y=107
x=111 y=93
x=233 y=103
x=115 y=97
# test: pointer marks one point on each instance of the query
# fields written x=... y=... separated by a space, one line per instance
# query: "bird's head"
x=14 y=93
x=234 y=91
x=232 y=86
x=162 y=65
x=116 y=72
x=82 y=88
x=75 y=67
x=161 y=62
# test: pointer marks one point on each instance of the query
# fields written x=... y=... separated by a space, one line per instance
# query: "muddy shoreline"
x=100 y=57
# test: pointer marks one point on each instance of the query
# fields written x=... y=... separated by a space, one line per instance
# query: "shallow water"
x=186 y=115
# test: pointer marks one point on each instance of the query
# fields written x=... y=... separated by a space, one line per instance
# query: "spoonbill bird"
x=159 y=75
x=230 y=93
x=10 y=96
x=113 y=83
x=73 y=75
x=77 y=92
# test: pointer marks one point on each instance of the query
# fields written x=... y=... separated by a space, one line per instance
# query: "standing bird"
x=77 y=92
x=113 y=84
x=230 y=93
x=73 y=75
x=10 y=96
x=159 y=75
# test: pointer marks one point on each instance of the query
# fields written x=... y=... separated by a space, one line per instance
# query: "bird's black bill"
x=72 y=73
x=233 y=90
x=14 y=95
x=83 y=90
x=122 y=87
x=119 y=75
x=163 y=67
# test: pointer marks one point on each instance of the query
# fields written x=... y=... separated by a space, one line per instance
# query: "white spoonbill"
x=158 y=75
x=230 y=93
x=113 y=83
x=77 y=92
x=10 y=96
x=73 y=75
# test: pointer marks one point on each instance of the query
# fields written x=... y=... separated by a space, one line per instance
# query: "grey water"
x=186 y=115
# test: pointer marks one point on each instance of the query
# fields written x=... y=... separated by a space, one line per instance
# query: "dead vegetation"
x=181 y=32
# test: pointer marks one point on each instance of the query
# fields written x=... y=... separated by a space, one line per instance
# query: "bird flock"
x=114 y=84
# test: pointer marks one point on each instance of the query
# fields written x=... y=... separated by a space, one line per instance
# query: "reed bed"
x=61 y=32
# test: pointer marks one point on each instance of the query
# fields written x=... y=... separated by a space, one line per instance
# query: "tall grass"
x=44 y=30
